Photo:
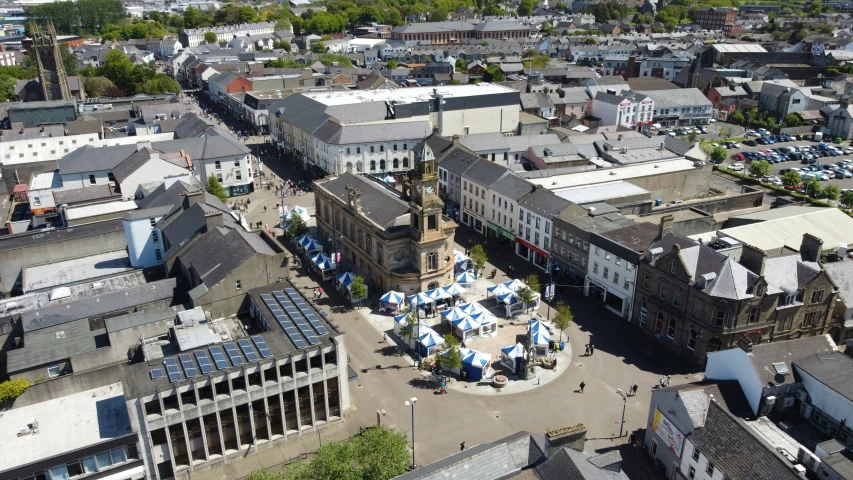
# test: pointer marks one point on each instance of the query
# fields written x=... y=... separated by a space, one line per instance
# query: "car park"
x=737 y=167
x=749 y=143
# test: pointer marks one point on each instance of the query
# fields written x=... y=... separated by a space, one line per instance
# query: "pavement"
x=623 y=356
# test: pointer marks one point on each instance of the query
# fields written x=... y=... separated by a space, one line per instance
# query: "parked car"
x=737 y=167
x=750 y=143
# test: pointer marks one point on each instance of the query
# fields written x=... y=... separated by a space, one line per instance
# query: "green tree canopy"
x=736 y=117
x=392 y=64
x=525 y=8
x=718 y=154
x=210 y=37
x=563 y=318
x=792 y=120
x=11 y=389
x=461 y=65
x=760 y=168
x=160 y=84
x=341 y=60
x=319 y=47
x=532 y=282
x=215 y=188
x=847 y=199
x=358 y=289
x=98 y=86
x=478 y=257
x=7 y=87
x=791 y=178
x=831 y=192
x=812 y=186
x=452 y=359
x=296 y=226
x=493 y=73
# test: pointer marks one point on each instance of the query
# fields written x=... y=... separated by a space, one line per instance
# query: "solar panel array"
x=203 y=362
x=156 y=373
x=303 y=307
x=286 y=324
x=189 y=367
x=172 y=370
x=248 y=350
x=297 y=318
x=218 y=357
x=233 y=354
x=262 y=346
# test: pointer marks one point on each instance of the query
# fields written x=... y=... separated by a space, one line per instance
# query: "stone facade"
x=676 y=308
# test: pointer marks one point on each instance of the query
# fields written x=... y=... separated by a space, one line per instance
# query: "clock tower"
x=425 y=205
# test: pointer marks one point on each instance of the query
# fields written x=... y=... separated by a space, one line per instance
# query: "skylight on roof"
x=781 y=368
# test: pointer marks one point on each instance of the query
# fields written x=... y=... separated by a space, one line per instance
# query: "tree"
x=692 y=135
x=736 y=117
x=791 y=178
x=160 y=84
x=847 y=199
x=215 y=188
x=11 y=389
x=296 y=226
x=375 y=452
x=7 y=87
x=532 y=282
x=319 y=47
x=282 y=25
x=97 y=86
x=392 y=64
x=831 y=192
x=461 y=65
x=792 y=120
x=759 y=169
x=493 y=73
x=816 y=8
x=358 y=289
x=812 y=186
x=451 y=359
x=341 y=60
x=563 y=318
x=718 y=154
x=590 y=41
x=526 y=297
x=525 y=8
x=210 y=37
x=478 y=257
x=69 y=61
x=825 y=28
x=410 y=327
x=118 y=68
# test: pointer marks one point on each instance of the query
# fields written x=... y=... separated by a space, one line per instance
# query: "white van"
x=818 y=137
x=657 y=126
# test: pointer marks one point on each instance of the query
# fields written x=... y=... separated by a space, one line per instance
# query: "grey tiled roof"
x=484 y=172
x=43 y=346
x=736 y=451
x=544 y=203
x=378 y=203
x=231 y=248
x=75 y=195
x=512 y=186
x=764 y=355
x=788 y=273
x=568 y=464
x=334 y=133
x=841 y=274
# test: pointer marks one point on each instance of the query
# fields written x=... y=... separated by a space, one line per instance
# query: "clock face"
x=430 y=189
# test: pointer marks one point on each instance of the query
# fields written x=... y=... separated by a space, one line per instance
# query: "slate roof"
x=568 y=464
x=764 y=355
x=788 y=273
x=457 y=161
x=233 y=249
x=544 y=203
x=736 y=451
x=841 y=274
x=512 y=186
x=733 y=280
x=43 y=346
x=131 y=164
x=686 y=97
x=334 y=133
x=479 y=142
x=832 y=369
x=85 y=194
x=99 y=305
x=92 y=159
x=484 y=172
x=382 y=205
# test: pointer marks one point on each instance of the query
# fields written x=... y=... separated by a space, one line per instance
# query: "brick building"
x=696 y=298
x=718 y=18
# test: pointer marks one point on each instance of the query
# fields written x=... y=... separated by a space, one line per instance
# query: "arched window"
x=715 y=344
x=381 y=165
x=644 y=310
x=658 y=324
x=372 y=165
x=691 y=340
x=396 y=163
x=349 y=167
x=670 y=329
x=358 y=166
x=405 y=162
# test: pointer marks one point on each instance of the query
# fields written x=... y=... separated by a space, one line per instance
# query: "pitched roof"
x=380 y=204
x=832 y=369
x=568 y=464
x=484 y=172
x=544 y=203
x=736 y=451
x=765 y=356
x=334 y=133
x=232 y=250
x=512 y=186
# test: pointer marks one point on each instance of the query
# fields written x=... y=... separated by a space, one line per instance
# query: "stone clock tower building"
x=396 y=239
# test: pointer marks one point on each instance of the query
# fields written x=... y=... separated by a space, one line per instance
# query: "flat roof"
x=829 y=224
x=45 y=180
x=65 y=424
x=45 y=237
x=405 y=95
x=97 y=209
x=602 y=192
x=76 y=270
x=608 y=175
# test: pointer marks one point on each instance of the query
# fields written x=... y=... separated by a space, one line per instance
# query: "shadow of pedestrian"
x=389 y=351
x=422 y=383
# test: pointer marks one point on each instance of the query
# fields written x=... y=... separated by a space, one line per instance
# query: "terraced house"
x=696 y=298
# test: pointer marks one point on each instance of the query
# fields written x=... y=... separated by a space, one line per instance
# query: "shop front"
x=594 y=289
x=531 y=253
x=499 y=234
x=617 y=302
x=240 y=189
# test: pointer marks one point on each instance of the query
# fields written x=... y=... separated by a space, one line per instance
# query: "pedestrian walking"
x=662 y=382
x=634 y=389
x=668 y=379
x=320 y=290
x=443 y=384
x=586 y=351
x=591 y=349
x=462 y=446
x=265 y=209
x=384 y=338
x=582 y=386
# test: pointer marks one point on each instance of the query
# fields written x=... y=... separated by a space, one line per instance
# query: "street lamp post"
x=412 y=404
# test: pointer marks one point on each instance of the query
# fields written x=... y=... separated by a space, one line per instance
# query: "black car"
x=751 y=143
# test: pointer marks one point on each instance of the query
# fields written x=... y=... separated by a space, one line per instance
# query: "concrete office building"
x=197 y=402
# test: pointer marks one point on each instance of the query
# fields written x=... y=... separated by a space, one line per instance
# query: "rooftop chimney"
x=213 y=219
x=811 y=247
x=753 y=258
x=192 y=197
x=666 y=223
x=573 y=437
